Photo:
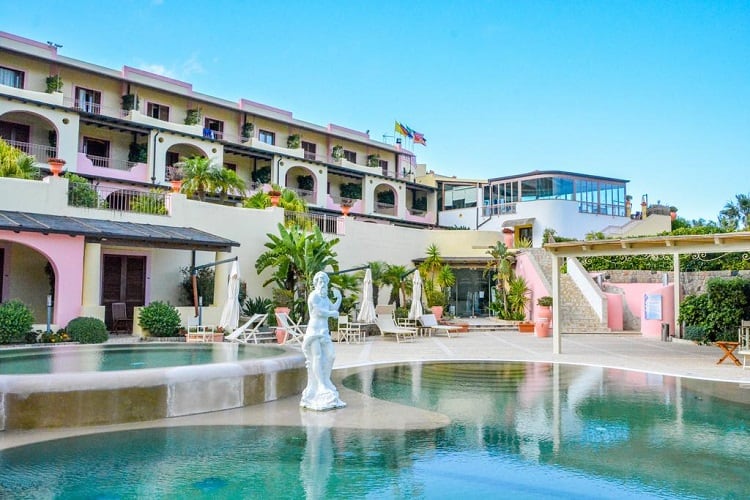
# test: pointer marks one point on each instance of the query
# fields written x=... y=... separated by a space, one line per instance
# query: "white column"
x=556 y=305
x=92 y=281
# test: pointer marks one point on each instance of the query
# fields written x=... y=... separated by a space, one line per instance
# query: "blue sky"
x=654 y=92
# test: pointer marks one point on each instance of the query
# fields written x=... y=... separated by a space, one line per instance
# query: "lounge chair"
x=294 y=332
x=430 y=324
x=387 y=325
x=250 y=331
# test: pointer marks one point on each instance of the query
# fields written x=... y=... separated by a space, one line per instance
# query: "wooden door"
x=123 y=280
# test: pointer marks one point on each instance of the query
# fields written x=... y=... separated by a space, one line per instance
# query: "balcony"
x=55 y=98
x=85 y=195
x=40 y=152
x=326 y=223
x=385 y=208
x=111 y=168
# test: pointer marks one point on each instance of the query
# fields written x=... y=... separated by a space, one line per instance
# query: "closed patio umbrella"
x=366 y=312
x=230 y=315
x=415 y=311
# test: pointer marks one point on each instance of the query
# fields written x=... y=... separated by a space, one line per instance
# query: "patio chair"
x=120 y=321
x=430 y=324
x=347 y=332
x=744 y=340
x=294 y=331
x=250 y=331
x=387 y=325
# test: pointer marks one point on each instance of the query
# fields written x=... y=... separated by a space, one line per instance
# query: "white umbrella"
x=366 y=308
x=415 y=311
x=230 y=315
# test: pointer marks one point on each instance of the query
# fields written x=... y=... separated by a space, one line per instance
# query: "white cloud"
x=157 y=69
x=192 y=66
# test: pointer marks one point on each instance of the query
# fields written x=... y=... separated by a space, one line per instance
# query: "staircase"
x=576 y=314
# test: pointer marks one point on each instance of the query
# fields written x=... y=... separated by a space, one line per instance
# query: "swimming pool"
x=521 y=430
x=80 y=385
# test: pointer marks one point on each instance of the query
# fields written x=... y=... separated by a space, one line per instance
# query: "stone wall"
x=692 y=283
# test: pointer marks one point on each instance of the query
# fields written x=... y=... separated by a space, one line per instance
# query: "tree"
x=392 y=276
x=288 y=200
x=736 y=215
x=296 y=255
x=226 y=181
x=199 y=176
x=502 y=266
x=16 y=163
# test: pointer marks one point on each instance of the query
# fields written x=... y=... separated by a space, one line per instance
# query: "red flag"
x=419 y=139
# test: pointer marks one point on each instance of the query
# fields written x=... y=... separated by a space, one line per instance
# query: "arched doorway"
x=33 y=134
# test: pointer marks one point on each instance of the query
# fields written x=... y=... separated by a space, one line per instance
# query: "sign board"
x=652 y=306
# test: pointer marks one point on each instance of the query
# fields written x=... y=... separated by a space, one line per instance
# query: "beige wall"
x=29 y=283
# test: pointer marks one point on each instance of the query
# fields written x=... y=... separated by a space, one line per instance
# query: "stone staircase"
x=576 y=313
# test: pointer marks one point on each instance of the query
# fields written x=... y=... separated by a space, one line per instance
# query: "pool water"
x=91 y=357
x=518 y=431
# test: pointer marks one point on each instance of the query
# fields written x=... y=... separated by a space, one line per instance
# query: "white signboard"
x=652 y=306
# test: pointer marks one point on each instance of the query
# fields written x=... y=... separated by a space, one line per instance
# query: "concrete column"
x=557 y=305
x=677 y=297
x=92 y=281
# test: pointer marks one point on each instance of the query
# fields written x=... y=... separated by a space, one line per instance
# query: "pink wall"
x=614 y=311
x=635 y=295
x=139 y=172
x=525 y=268
x=65 y=253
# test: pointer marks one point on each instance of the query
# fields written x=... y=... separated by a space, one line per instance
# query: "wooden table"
x=728 y=348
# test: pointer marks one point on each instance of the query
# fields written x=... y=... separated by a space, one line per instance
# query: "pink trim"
x=65 y=254
x=246 y=102
x=27 y=41
x=139 y=172
x=127 y=70
x=337 y=128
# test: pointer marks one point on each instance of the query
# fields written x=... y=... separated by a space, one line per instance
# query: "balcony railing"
x=94 y=108
x=326 y=223
x=121 y=200
x=104 y=162
x=39 y=151
x=385 y=208
x=499 y=209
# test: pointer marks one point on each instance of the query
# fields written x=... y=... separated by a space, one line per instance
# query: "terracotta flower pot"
x=275 y=197
x=176 y=186
x=56 y=165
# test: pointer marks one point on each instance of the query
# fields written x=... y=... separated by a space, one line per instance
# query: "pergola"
x=653 y=245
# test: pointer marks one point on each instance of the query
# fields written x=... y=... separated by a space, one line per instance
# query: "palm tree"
x=296 y=255
x=377 y=270
x=502 y=266
x=736 y=216
x=227 y=180
x=199 y=176
x=288 y=200
x=392 y=276
x=16 y=163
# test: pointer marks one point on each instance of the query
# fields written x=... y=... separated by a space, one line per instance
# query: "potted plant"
x=54 y=84
x=544 y=316
x=275 y=195
x=56 y=165
x=337 y=152
x=282 y=301
x=129 y=102
x=373 y=161
x=351 y=191
x=673 y=212
x=193 y=116
x=293 y=141
x=436 y=302
x=247 y=131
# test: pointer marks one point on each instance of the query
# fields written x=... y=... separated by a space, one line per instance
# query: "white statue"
x=320 y=393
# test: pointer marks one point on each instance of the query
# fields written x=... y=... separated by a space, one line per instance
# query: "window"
x=383 y=166
x=158 y=111
x=267 y=137
x=457 y=196
x=97 y=150
x=11 y=77
x=213 y=129
x=310 y=150
x=350 y=156
x=88 y=100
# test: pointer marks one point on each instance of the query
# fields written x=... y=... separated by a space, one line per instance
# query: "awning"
x=519 y=222
x=115 y=232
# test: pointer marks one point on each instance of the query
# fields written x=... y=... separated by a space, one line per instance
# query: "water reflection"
x=654 y=430
x=316 y=464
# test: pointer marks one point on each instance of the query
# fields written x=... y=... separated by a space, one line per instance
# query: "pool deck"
x=615 y=350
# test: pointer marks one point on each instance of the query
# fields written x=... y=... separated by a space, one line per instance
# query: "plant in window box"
x=373 y=161
x=420 y=204
x=129 y=102
x=54 y=84
x=193 y=116
x=386 y=197
x=137 y=153
x=306 y=182
x=247 y=131
x=351 y=190
x=337 y=152
x=293 y=141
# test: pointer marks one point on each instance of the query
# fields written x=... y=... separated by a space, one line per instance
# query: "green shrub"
x=149 y=203
x=257 y=305
x=15 y=321
x=80 y=192
x=87 y=330
x=205 y=281
x=694 y=309
x=160 y=319
x=696 y=333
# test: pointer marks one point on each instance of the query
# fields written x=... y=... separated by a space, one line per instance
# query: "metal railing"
x=500 y=209
x=122 y=200
x=39 y=151
x=326 y=223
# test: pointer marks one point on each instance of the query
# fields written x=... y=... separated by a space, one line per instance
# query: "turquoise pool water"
x=87 y=358
x=518 y=431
